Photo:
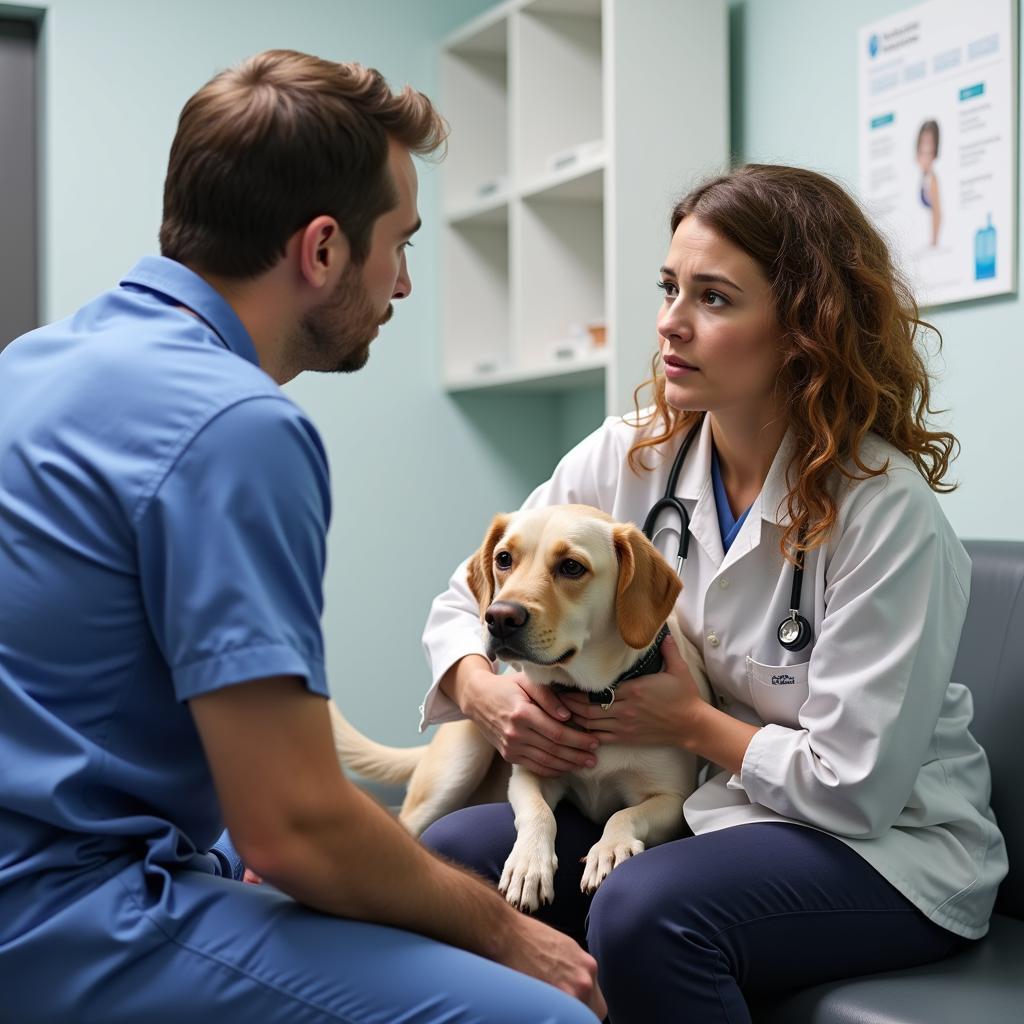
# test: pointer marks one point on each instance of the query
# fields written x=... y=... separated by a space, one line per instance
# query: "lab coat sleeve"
x=587 y=475
x=895 y=599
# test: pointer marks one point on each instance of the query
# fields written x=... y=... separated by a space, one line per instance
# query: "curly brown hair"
x=850 y=326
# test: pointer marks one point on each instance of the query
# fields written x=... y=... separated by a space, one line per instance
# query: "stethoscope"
x=794 y=632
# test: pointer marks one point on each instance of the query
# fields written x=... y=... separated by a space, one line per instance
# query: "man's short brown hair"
x=265 y=147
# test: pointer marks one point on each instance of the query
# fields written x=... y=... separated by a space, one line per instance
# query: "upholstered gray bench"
x=983 y=984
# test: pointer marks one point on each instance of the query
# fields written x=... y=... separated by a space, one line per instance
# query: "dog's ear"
x=647 y=589
x=480 y=571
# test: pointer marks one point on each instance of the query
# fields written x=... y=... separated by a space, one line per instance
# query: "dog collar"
x=647 y=664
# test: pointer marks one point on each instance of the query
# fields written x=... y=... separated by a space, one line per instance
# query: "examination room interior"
x=419 y=468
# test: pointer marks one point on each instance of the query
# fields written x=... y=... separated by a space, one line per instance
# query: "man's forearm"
x=363 y=865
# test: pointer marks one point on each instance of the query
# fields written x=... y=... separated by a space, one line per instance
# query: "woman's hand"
x=663 y=709
x=666 y=709
x=525 y=722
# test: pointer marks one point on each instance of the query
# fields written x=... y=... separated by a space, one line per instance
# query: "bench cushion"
x=981 y=984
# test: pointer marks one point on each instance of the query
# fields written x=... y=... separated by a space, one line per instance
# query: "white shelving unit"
x=575 y=124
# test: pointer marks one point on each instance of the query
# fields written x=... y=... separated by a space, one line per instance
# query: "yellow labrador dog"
x=575 y=600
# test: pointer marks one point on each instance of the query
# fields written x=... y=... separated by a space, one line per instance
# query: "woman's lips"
x=676 y=367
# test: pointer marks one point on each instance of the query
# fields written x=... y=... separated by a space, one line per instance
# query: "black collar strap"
x=649 y=662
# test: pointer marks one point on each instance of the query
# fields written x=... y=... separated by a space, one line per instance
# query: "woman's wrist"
x=717 y=737
x=455 y=683
x=694 y=730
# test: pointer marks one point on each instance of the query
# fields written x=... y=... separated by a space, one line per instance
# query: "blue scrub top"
x=728 y=524
x=163 y=513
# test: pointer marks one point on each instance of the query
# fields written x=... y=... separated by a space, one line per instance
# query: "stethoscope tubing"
x=794 y=632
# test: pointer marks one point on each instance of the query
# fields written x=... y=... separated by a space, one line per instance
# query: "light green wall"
x=794 y=80
x=417 y=474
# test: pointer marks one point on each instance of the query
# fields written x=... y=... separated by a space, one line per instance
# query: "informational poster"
x=938 y=146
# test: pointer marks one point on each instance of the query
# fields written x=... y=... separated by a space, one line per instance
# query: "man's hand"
x=525 y=722
x=544 y=953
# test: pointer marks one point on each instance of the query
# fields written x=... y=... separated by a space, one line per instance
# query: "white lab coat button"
x=713 y=639
x=723 y=583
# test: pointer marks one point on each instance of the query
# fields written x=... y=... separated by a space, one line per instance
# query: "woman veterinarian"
x=843 y=827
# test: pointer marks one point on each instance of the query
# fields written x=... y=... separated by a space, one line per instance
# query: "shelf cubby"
x=572 y=131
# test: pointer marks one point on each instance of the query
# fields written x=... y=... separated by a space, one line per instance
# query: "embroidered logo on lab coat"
x=783 y=680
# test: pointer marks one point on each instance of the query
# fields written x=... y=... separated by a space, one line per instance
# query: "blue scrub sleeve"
x=229 y=859
x=232 y=549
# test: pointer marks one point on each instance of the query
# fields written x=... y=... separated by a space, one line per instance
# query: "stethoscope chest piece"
x=794 y=632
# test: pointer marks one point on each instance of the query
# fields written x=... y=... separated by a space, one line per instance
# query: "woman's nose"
x=674 y=322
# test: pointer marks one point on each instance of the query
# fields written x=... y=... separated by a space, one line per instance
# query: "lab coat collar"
x=776 y=486
x=769 y=507
x=695 y=486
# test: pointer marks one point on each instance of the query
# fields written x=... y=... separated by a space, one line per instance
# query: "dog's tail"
x=374 y=761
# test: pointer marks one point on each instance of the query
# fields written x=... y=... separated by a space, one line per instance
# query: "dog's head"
x=569 y=594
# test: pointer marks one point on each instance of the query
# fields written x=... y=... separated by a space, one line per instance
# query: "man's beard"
x=335 y=337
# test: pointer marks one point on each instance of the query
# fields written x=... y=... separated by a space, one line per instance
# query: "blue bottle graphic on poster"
x=985 y=251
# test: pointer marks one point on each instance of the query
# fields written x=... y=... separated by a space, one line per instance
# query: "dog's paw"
x=528 y=879
x=604 y=855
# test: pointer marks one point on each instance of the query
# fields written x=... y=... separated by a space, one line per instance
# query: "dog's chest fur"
x=626 y=776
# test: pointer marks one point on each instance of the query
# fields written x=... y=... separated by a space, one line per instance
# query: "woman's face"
x=720 y=347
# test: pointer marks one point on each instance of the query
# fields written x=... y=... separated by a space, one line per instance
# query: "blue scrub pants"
x=191 y=948
x=687 y=930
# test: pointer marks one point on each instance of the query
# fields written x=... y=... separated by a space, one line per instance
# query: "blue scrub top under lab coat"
x=728 y=524
x=163 y=511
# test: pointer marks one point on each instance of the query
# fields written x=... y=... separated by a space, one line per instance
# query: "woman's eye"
x=571 y=568
x=715 y=299
x=668 y=288
x=503 y=560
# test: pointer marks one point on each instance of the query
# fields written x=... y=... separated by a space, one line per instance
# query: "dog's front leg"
x=528 y=880
x=630 y=831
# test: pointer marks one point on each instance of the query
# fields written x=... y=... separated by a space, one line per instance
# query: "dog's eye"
x=571 y=568
x=503 y=560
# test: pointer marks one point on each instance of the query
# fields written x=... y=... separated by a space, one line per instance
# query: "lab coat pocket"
x=777 y=691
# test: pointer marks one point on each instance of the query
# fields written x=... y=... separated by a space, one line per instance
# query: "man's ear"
x=480 y=571
x=323 y=251
x=647 y=589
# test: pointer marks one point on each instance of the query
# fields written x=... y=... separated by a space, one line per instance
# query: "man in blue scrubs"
x=163 y=511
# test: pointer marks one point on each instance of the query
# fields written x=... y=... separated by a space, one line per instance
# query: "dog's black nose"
x=505 y=618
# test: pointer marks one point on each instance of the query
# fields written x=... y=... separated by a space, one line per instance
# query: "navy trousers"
x=689 y=930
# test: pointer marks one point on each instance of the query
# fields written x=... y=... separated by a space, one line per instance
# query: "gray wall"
x=19 y=250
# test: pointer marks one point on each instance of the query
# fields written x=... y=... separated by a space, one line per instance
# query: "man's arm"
x=300 y=824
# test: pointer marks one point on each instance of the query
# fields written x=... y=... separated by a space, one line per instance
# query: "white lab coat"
x=863 y=734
